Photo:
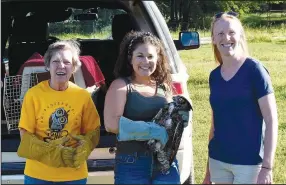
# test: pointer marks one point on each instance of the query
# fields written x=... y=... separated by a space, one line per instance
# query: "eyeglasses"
x=218 y=15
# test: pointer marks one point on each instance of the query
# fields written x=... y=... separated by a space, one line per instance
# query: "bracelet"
x=266 y=168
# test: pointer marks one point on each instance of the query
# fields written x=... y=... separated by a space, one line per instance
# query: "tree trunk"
x=186 y=15
x=173 y=21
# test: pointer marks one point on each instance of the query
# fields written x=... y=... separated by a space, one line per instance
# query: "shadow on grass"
x=281 y=42
x=198 y=81
x=255 y=21
x=282 y=126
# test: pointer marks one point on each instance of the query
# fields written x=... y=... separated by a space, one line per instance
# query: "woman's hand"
x=265 y=176
x=207 y=179
x=141 y=131
x=52 y=153
x=85 y=145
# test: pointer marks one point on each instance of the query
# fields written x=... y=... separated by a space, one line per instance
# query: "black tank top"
x=140 y=108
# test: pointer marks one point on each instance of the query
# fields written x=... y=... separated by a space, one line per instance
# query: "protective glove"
x=51 y=153
x=86 y=144
x=141 y=131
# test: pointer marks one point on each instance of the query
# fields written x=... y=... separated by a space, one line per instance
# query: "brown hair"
x=71 y=45
x=123 y=67
x=242 y=41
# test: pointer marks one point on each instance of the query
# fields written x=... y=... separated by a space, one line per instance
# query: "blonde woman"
x=243 y=102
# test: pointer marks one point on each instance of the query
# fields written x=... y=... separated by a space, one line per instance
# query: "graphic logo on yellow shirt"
x=57 y=121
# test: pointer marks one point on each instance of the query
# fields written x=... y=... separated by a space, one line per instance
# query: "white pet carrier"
x=15 y=88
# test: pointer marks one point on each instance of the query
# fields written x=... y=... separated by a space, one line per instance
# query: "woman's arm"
x=22 y=131
x=115 y=101
x=52 y=153
x=27 y=122
x=268 y=109
x=90 y=117
x=128 y=129
x=90 y=133
x=211 y=135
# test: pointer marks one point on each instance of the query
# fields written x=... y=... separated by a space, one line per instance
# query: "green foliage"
x=164 y=7
x=84 y=27
x=256 y=20
x=97 y=35
x=198 y=14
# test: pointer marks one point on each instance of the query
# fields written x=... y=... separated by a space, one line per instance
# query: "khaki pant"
x=221 y=172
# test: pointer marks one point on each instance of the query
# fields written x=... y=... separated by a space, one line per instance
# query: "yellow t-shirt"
x=51 y=114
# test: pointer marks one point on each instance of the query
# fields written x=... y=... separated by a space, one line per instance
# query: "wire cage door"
x=15 y=88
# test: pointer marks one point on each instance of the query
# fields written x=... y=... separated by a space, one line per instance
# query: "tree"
x=196 y=14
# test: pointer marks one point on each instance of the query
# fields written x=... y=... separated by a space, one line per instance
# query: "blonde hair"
x=242 y=41
x=71 y=45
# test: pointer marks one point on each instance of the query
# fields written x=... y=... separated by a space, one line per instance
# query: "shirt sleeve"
x=262 y=82
x=90 y=118
x=28 y=117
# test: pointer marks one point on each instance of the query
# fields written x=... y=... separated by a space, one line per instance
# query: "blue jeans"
x=31 y=180
x=139 y=168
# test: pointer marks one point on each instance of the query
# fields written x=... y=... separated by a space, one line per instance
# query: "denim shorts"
x=139 y=168
x=221 y=172
x=31 y=180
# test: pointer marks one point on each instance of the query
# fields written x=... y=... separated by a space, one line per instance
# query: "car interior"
x=25 y=40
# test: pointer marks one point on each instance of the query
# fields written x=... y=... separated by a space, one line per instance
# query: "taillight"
x=177 y=88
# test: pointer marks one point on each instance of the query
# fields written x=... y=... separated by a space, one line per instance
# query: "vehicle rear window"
x=85 y=24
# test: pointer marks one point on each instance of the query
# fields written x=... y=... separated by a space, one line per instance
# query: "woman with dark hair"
x=142 y=88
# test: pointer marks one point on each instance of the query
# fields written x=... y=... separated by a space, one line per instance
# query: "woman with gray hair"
x=59 y=123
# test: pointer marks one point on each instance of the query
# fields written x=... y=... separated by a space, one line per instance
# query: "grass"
x=199 y=63
x=263 y=34
x=97 y=35
x=264 y=27
x=264 y=19
x=272 y=34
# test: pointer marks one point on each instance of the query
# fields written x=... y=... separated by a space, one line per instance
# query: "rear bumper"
x=100 y=170
x=12 y=179
x=107 y=177
x=104 y=177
